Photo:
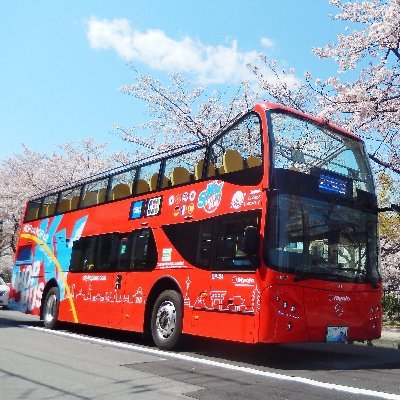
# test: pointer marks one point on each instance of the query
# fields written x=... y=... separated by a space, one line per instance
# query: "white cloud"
x=207 y=64
x=266 y=42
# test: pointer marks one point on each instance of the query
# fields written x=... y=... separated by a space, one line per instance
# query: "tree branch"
x=383 y=163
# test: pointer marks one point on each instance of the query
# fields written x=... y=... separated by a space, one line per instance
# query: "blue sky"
x=63 y=62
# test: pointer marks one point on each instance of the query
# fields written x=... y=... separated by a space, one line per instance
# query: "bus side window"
x=24 y=255
x=121 y=186
x=237 y=153
x=144 y=252
x=83 y=255
x=123 y=252
x=48 y=206
x=106 y=252
x=148 y=175
x=32 y=210
x=76 y=256
x=69 y=200
x=230 y=252
x=214 y=242
x=227 y=242
x=193 y=240
x=95 y=192
x=204 y=245
x=181 y=169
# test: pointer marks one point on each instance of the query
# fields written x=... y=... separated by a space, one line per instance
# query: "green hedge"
x=391 y=306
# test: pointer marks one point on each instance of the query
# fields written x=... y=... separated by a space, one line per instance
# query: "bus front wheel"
x=166 y=320
x=50 y=309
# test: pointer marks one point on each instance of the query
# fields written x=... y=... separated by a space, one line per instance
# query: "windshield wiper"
x=299 y=278
x=327 y=275
x=305 y=275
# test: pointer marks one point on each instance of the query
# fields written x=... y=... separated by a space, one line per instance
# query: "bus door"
x=233 y=286
x=136 y=256
x=117 y=302
x=117 y=288
x=91 y=278
x=127 y=311
x=234 y=295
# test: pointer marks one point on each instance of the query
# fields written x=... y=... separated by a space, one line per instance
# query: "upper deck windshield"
x=322 y=210
x=303 y=146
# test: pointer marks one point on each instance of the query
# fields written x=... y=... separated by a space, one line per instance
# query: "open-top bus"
x=267 y=233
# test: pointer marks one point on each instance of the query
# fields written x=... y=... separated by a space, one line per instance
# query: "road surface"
x=77 y=362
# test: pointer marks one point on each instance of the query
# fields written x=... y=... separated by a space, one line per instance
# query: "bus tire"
x=166 y=320
x=50 y=308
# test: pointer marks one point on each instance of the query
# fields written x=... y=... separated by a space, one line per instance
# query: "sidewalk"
x=390 y=338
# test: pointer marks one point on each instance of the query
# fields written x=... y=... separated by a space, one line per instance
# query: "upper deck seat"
x=154 y=179
x=120 y=191
x=180 y=175
x=142 y=186
x=64 y=205
x=51 y=208
x=253 y=161
x=90 y=199
x=198 y=170
x=232 y=161
x=74 y=202
x=32 y=213
x=101 y=195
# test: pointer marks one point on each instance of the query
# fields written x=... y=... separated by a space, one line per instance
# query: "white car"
x=4 y=291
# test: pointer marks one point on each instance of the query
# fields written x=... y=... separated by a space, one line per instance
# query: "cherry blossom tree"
x=390 y=233
x=365 y=96
x=30 y=172
x=366 y=100
x=370 y=104
x=181 y=112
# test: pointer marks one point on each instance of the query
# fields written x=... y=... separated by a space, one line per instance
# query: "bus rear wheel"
x=166 y=320
x=50 y=308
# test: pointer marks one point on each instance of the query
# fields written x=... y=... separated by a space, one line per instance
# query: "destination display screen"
x=334 y=185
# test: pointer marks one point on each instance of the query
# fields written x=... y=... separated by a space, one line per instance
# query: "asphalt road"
x=78 y=362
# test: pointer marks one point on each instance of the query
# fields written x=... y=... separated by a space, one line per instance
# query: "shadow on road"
x=10 y=319
x=290 y=357
x=298 y=356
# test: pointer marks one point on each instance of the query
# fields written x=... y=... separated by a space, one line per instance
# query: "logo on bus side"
x=210 y=198
x=183 y=203
x=333 y=297
x=145 y=208
x=40 y=233
x=241 y=281
x=242 y=199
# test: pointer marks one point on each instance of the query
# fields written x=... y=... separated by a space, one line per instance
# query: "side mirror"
x=250 y=241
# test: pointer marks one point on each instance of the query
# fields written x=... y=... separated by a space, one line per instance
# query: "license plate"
x=336 y=334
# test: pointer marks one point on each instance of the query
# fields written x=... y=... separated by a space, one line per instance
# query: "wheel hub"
x=50 y=310
x=166 y=319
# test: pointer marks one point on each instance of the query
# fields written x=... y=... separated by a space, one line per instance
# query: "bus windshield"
x=322 y=211
x=303 y=146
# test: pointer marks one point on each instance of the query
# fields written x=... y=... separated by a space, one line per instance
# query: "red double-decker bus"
x=268 y=233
